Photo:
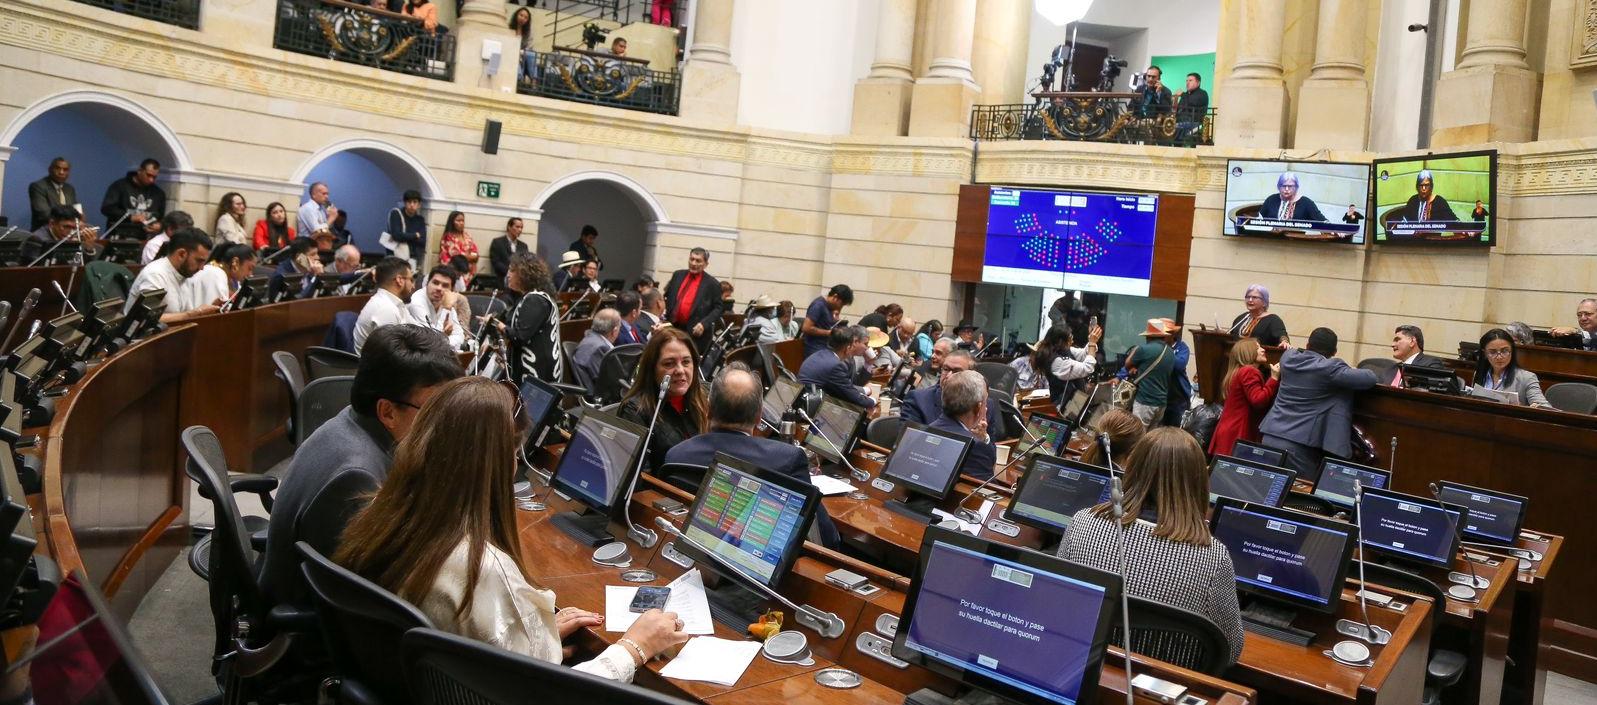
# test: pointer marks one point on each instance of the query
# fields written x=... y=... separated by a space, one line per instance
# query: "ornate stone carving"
x=1584 y=52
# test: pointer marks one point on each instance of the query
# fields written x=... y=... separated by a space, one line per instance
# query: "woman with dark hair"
x=685 y=414
x=784 y=315
x=885 y=317
x=230 y=219
x=1498 y=369
x=927 y=337
x=457 y=243
x=230 y=265
x=1061 y=365
x=441 y=534
x=521 y=24
x=532 y=335
x=1245 y=395
x=273 y=232
x=1170 y=557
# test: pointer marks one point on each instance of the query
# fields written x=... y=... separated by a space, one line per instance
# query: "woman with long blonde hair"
x=1247 y=393
x=442 y=534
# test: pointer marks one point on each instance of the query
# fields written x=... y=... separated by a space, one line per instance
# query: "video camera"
x=1110 y=71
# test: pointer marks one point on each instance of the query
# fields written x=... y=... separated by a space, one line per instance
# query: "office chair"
x=568 y=351
x=321 y=400
x=1575 y=397
x=203 y=447
x=1445 y=667
x=363 y=625
x=329 y=362
x=883 y=431
x=445 y=669
x=293 y=376
x=1378 y=365
x=683 y=476
x=1001 y=378
x=616 y=371
x=1179 y=636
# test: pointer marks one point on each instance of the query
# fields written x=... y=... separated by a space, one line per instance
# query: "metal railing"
x=368 y=36
x=183 y=13
x=599 y=79
x=569 y=15
x=1086 y=117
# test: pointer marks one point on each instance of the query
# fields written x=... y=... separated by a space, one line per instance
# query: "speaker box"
x=490 y=137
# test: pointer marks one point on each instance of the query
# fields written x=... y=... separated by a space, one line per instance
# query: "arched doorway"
x=366 y=178
x=619 y=208
x=104 y=136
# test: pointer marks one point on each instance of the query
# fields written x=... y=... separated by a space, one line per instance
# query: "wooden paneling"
x=970 y=233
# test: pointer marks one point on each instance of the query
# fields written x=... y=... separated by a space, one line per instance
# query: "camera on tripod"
x=1110 y=71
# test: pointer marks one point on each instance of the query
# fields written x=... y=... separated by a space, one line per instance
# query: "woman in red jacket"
x=1248 y=392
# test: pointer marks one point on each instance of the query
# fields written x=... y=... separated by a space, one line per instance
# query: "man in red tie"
x=693 y=299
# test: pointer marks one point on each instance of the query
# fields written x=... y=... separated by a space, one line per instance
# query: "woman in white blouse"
x=441 y=533
x=230 y=219
x=1057 y=362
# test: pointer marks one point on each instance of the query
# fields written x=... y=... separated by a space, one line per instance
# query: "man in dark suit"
x=653 y=315
x=627 y=304
x=923 y=406
x=584 y=245
x=500 y=250
x=1313 y=412
x=830 y=371
x=1408 y=348
x=965 y=413
x=693 y=299
x=50 y=191
x=734 y=414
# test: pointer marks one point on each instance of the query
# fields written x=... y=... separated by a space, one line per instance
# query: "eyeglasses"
x=1500 y=352
x=1251 y=297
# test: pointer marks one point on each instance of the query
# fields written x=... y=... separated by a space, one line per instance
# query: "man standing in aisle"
x=693 y=299
x=316 y=215
x=821 y=317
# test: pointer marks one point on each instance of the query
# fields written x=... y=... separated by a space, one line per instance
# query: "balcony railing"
x=183 y=13
x=363 y=35
x=1091 y=117
x=600 y=79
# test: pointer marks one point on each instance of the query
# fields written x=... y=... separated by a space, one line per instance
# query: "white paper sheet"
x=687 y=600
x=830 y=486
x=972 y=528
x=712 y=660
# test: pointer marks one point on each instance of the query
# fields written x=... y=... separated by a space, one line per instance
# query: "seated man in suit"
x=923 y=406
x=599 y=339
x=1313 y=412
x=930 y=372
x=965 y=413
x=627 y=307
x=1408 y=348
x=830 y=371
x=734 y=414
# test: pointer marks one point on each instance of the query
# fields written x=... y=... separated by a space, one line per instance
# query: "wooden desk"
x=1210 y=350
x=16 y=281
x=1538 y=358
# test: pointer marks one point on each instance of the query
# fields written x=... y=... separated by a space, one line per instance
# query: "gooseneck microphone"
x=1391 y=466
x=66 y=301
x=1117 y=498
x=1367 y=632
x=1475 y=581
x=1108 y=454
x=28 y=303
x=643 y=535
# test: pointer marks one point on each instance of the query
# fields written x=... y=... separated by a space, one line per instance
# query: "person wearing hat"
x=1313 y=412
x=829 y=370
x=571 y=263
x=968 y=337
x=878 y=352
x=1180 y=398
x=1151 y=365
x=762 y=315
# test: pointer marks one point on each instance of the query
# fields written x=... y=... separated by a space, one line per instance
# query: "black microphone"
x=643 y=535
x=1475 y=582
x=28 y=303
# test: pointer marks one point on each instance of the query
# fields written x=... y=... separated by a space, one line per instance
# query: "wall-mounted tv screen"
x=1444 y=199
x=1070 y=240
x=1311 y=201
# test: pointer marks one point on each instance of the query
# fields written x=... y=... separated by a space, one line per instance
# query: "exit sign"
x=487 y=189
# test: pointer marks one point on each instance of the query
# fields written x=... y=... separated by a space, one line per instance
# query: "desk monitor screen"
x=538 y=399
x=12 y=421
x=1494 y=517
x=1248 y=481
x=1259 y=454
x=836 y=422
x=1411 y=528
x=1336 y=481
x=1026 y=626
x=1302 y=201
x=752 y=518
x=26 y=359
x=1054 y=432
x=1052 y=490
x=17 y=537
x=597 y=461
x=926 y=460
x=779 y=398
x=1436 y=199
x=1296 y=558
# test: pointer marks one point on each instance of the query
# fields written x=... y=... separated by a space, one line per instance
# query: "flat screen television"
x=1082 y=240
x=1436 y=199
x=1306 y=201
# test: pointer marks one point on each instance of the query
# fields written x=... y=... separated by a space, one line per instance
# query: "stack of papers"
x=687 y=600
x=972 y=528
x=712 y=660
x=830 y=486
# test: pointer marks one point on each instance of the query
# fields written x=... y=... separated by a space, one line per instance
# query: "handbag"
x=397 y=248
x=1126 y=392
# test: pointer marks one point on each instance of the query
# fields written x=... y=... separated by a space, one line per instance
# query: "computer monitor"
x=251 y=292
x=1336 y=481
x=538 y=400
x=1023 y=625
x=1410 y=528
x=753 y=518
x=327 y=285
x=1248 y=481
x=1266 y=455
x=779 y=398
x=1285 y=556
x=1429 y=379
x=1494 y=517
x=1053 y=489
x=595 y=465
x=1054 y=432
x=292 y=286
x=769 y=361
x=836 y=423
x=926 y=460
x=105 y=319
x=144 y=315
x=17 y=537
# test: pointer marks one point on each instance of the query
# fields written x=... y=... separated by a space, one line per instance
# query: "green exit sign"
x=487 y=189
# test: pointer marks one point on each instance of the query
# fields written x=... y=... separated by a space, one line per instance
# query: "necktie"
x=1397 y=379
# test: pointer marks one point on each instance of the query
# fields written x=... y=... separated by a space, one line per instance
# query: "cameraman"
x=1152 y=97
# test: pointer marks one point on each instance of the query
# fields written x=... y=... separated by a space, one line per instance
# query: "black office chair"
x=329 y=362
x=483 y=305
x=362 y=625
x=293 y=377
x=203 y=446
x=616 y=370
x=1001 y=378
x=883 y=431
x=1575 y=397
x=1175 y=635
x=1013 y=425
x=445 y=669
x=568 y=351
x=683 y=476
x=1445 y=667
x=318 y=403
x=1379 y=365
x=1308 y=504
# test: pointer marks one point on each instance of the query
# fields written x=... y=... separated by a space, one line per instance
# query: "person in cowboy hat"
x=571 y=264
x=1150 y=365
x=1180 y=393
x=762 y=316
x=968 y=337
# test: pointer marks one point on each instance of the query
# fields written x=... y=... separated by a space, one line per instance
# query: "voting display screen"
x=1263 y=455
x=1048 y=434
x=926 y=460
x=1071 y=240
x=1493 y=517
x=1249 y=482
x=1336 y=481
x=1053 y=490
x=835 y=422
x=1409 y=527
x=595 y=464
x=751 y=522
x=1284 y=555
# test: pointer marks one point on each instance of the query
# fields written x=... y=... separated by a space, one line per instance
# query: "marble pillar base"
x=881 y=107
x=1333 y=114
x=1253 y=115
x=710 y=92
x=1481 y=104
x=940 y=107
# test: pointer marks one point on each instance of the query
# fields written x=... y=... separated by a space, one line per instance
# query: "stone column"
x=710 y=83
x=881 y=99
x=1492 y=94
x=484 y=21
x=998 y=61
x=940 y=104
x=1254 y=108
x=1334 y=103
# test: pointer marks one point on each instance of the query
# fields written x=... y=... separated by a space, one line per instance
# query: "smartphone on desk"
x=649 y=597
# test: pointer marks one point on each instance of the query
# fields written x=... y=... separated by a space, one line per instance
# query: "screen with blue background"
x=1290 y=559
x=596 y=461
x=1398 y=525
x=1068 y=240
x=1493 y=518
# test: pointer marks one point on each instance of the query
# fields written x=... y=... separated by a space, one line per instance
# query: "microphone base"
x=828 y=625
x=1468 y=580
x=1367 y=633
x=643 y=537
